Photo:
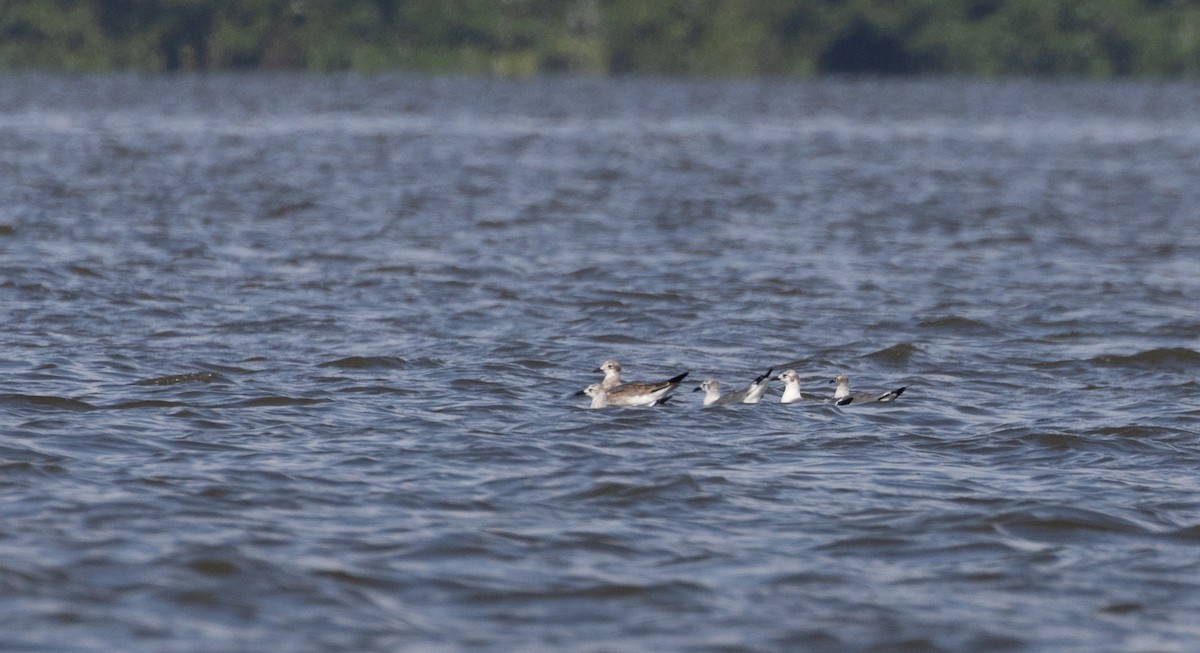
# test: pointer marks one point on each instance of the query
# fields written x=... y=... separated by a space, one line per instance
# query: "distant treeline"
x=1087 y=38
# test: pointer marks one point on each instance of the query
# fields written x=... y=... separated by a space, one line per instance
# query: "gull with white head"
x=612 y=374
x=751 y=394
x=617 y=393
x=791 y=390
x=843 y=395
x=598 y=394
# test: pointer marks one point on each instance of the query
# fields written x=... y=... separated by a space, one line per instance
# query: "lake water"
x=288 y=364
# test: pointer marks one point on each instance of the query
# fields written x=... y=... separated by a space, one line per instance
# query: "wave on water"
x=1064 y=524
x=366 y=363
x=674 y=591
x=617 y=339
x=266 y=402
x=1164 y=359
x=377 y=390
x=146 y=403
x=896 y=354
x=957 y=324
x=42 y=402
x=177 y=379
x=1170 y=357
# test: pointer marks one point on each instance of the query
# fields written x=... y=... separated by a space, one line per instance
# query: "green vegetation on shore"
x=1081 y=38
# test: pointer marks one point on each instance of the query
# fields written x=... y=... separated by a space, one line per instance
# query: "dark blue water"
x=288 y=364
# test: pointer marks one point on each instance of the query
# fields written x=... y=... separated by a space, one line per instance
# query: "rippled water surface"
x=288 y=365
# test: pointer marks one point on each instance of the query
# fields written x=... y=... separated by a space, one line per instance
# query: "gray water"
x=288 y=365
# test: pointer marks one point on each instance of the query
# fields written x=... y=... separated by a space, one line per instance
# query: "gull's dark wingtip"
x=677 y=379
x=844 y=401
x=891 y=396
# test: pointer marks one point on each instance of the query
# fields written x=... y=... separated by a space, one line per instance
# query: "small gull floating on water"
x=598 y=394
x=616 y=393
x=751 y=394
x=843 y=395
x=792 y=394
x=632 y=394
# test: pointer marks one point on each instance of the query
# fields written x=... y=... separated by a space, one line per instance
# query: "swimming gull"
x=792 y=394
x=844 y=396
x=633 y=394
x=751 y=394
x=598 y=394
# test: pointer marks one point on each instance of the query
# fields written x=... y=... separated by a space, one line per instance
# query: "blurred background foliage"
x=1079 y=38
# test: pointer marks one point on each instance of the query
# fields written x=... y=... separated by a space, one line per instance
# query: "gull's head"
x=593 y=390
x=843 y=386
x=709 y=385
x=609 y=367
x=789 y=377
